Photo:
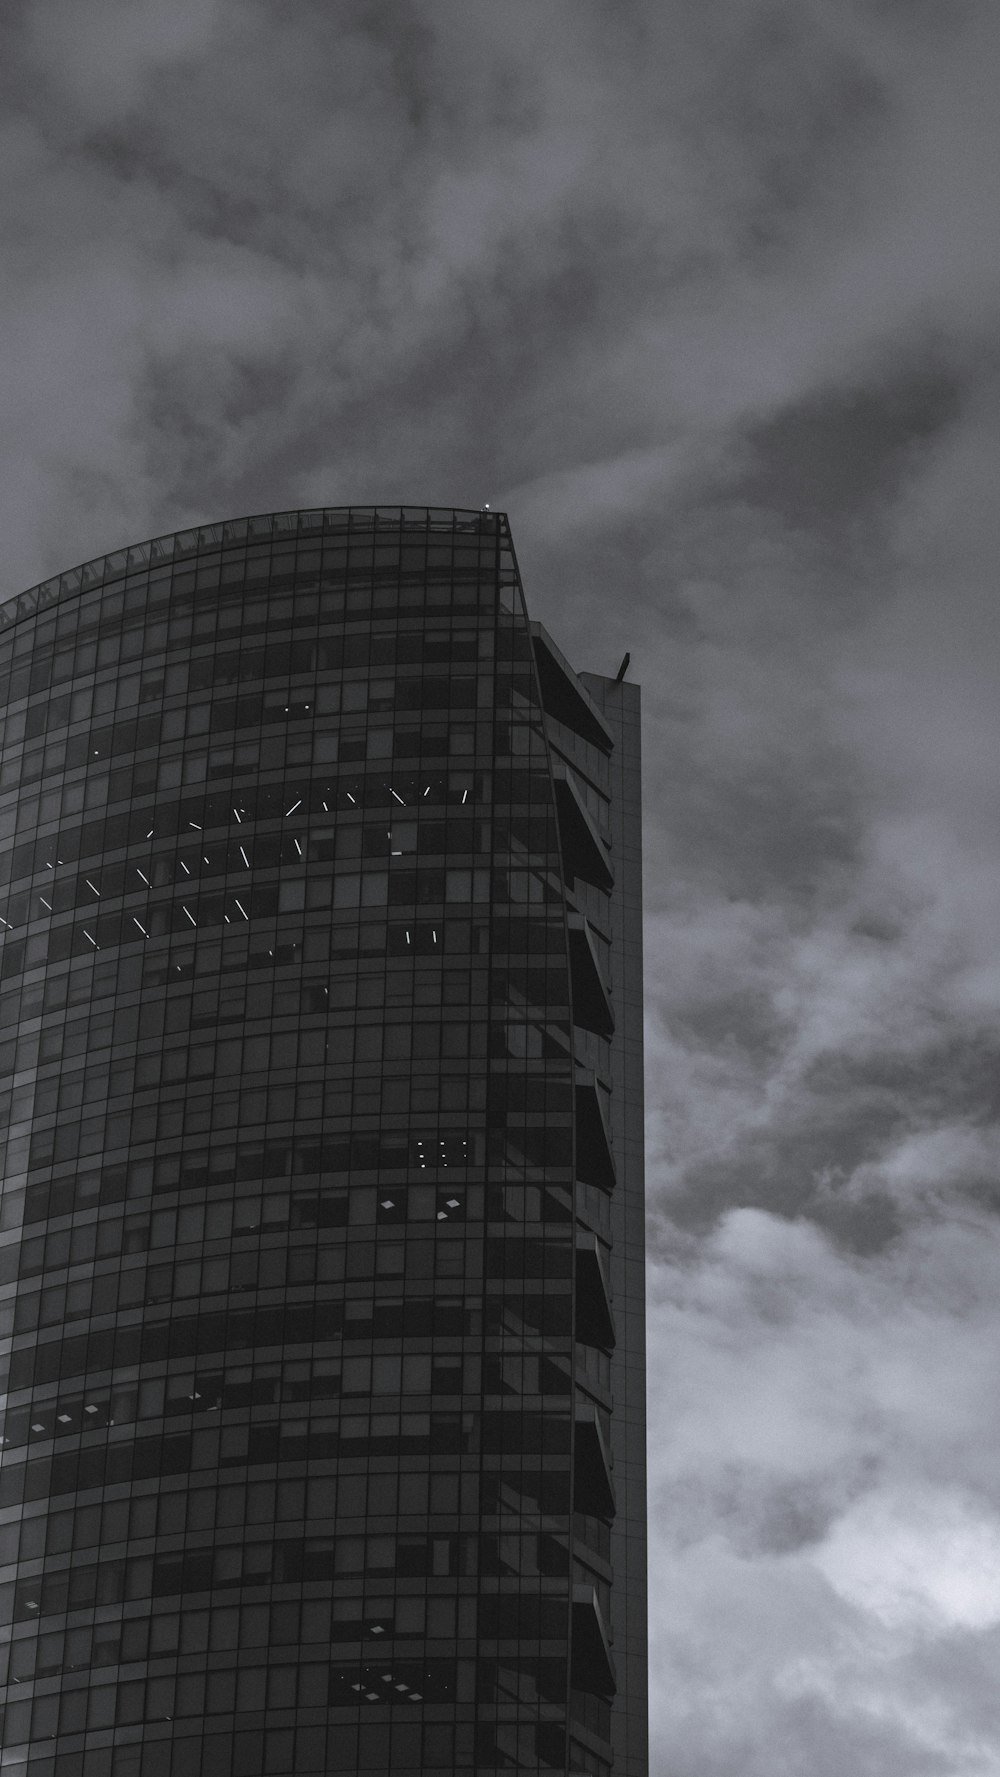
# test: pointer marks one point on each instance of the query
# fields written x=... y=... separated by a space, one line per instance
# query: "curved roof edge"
x=195 y=540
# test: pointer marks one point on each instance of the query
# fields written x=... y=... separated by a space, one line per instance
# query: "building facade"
x=322 y=1214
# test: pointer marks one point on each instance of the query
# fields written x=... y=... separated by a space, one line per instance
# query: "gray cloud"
x=706 y=297
x=845 y=1554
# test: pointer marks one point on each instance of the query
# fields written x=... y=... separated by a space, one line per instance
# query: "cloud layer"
x=706 y=298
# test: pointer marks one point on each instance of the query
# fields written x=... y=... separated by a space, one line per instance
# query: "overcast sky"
x=706 y=296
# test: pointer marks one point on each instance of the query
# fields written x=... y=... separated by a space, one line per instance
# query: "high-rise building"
x=322 y=1215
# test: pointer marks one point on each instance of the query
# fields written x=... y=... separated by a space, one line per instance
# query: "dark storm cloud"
x=824 y=463
x=706 y=296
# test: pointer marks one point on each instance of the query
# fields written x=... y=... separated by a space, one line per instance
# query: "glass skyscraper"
x=322 y=1211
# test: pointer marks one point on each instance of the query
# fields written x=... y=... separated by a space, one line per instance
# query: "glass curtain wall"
x=306 y=1339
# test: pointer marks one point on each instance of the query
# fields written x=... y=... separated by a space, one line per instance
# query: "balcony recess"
x=563 y=696
x=595 y=1163
x=593 y=1491
x=591 y=1004
x=593 y=1666
x=583 y=850
x=595 y=1322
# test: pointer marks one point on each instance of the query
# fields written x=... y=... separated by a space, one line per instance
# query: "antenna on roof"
x=623 y=669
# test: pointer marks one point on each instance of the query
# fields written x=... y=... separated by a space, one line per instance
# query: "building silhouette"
x=322 y=1215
